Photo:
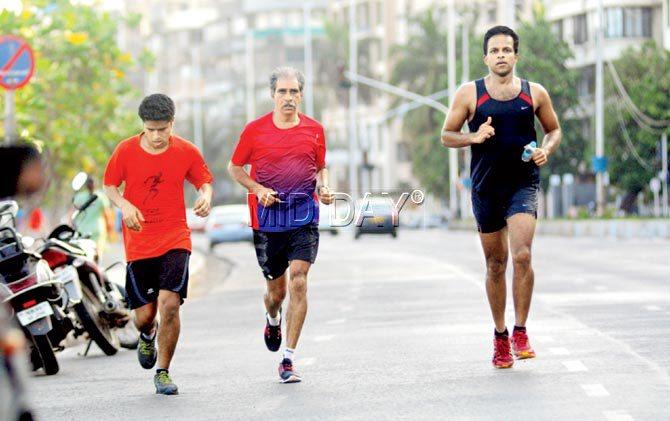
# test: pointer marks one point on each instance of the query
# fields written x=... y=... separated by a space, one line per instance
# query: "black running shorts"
x=146 y=277
x=275 y=250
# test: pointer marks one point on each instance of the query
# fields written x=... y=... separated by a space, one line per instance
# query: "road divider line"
x=324 y=338
x=336 y=322
x=652 y=308
x=595 y=390
x=617 y=415
x=575 y=366
x=560 y=351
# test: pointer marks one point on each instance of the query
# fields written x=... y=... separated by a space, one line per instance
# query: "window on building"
x=518 y=10
x=402 y=152
x=630 y=22
x=614 y=22
x=295 y=54
x=557 y=29
x=492 y=14
x=580 y=29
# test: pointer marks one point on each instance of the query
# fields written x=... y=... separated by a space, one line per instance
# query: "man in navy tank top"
x=500 y=110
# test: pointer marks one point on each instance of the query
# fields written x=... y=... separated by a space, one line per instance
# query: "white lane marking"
x=324 y=338
x=601 y=288
x=336 y=322
x=305 y=361
x=544 y=338
x=617 y=415
x=346 y=308
x=652 y=308
x=575 y=365
x=560 y=351
x=595 y=390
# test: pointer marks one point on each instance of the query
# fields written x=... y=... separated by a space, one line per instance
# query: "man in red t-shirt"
x=153 y=165
x=286 y=151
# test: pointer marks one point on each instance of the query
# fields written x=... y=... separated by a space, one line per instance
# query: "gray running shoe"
x=146 y=352
x=286 y=373
x=164 y=384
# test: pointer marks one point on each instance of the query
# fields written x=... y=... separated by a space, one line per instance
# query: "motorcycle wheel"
x=88 y=311
x=47 y=354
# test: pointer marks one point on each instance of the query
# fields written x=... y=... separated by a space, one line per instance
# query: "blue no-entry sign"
x=17 y=62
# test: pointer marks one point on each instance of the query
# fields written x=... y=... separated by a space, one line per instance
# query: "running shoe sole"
x=293 y=378
x=523 y=355
x=504 y=365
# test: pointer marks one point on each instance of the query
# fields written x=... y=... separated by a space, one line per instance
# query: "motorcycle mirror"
x=79 y=180
x=27 y=242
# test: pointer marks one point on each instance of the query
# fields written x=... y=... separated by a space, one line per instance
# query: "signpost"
x=17 y=65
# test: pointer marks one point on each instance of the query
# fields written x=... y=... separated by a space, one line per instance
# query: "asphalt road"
x=400 y=329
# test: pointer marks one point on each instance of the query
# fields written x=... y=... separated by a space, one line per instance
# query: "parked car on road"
x=382 y=221
x=228 y=223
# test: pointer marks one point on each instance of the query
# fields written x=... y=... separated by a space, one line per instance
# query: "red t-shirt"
x=287 y=161
x=155 y=185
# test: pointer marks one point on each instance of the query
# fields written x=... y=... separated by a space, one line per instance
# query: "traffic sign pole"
x=10 y=123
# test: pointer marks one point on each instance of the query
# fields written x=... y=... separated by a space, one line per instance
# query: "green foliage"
x=76 y=101
x=645 y=74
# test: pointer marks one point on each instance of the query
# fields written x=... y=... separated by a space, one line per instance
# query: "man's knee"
x=495 y=266
x=168 y=307
x=145 y=316
x=521 y=257
x=298 y=283
x=277 y=292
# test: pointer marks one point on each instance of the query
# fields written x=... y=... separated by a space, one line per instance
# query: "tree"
x=420 y=67
x=645 y=74
x=76 y=104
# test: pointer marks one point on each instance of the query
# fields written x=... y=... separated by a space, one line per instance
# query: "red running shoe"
x=521 y=346
x=502 y=355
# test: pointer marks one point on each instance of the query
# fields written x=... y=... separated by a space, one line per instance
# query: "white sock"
x=289 y=353
x=274 y=321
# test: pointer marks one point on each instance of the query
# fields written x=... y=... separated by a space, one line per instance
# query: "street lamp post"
x=353 y=100
x=10 y=123
x=451 y=75
x=600 y=168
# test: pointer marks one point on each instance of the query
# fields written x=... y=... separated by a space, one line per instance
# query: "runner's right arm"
x=131 y=215
x=266 y=197
x=458 y=114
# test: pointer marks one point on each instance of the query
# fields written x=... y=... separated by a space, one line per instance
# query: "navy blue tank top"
x=496 y=164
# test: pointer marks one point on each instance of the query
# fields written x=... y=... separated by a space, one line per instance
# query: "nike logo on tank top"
x=496 y=164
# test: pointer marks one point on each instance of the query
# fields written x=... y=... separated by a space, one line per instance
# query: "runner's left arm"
x=549 y=121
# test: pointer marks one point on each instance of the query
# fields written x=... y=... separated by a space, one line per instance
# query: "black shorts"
x=146 y=277
x=275 y=250
x=492 y=209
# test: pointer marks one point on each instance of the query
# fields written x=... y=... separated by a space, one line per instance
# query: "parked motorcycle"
x=38 y=297
x=103 y=310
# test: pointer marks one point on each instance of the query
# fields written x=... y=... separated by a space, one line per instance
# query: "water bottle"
x=528 y=151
